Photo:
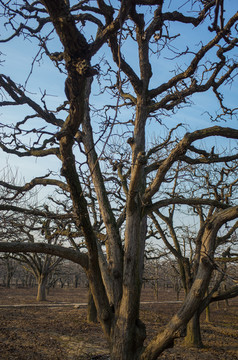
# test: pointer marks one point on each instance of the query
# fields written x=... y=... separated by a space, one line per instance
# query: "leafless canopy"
x=120 y=172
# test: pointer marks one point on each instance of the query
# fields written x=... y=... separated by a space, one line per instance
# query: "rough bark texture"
x=193 y=336
x=129 y=331
x=41 y=290
x=91 y=309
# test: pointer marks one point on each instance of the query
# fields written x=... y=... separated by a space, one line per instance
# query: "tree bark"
x=193 y=337
x=208 y=314
x=91 y=310
x=8 y=280
x=10 y=273
x=41 y=291
x=129 y=332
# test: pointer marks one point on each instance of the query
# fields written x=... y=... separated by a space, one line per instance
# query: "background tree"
x=139 y=94
x=8 y=269
x=28 y=229
x=184 y=241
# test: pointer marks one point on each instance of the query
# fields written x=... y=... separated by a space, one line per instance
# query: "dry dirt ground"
x=62 y=333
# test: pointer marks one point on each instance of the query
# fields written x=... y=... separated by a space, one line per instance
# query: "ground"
x=61 y=332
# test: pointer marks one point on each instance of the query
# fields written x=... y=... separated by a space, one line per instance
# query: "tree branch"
x=180 y=150
x=57 y=250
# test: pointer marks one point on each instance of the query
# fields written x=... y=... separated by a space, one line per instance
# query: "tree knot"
x=84 y=68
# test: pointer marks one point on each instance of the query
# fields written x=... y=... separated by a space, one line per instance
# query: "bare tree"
x=184 y=241
x=8 y=270
x=29 y=229
x=138 y=94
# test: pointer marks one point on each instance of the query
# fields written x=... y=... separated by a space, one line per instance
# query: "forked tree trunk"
x=129 y=347
x=41 y=291
x=193 y=337
x=129 y=332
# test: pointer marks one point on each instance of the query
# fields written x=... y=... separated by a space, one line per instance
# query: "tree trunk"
x=227 y=304
x=129 y=332
x=76 y=281
x=193 y=337
x=130 y=346
x=8 y=280
x=91 y=311
x=41 y=291
x=10 y=273
x=157 y=290
x=208 y=314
